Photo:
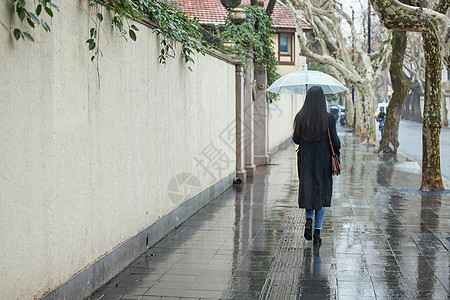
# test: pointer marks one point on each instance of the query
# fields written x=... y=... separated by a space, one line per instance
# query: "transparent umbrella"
x=299 y=82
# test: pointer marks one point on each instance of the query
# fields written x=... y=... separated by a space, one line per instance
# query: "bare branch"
x=397 y=15
x=325 y=59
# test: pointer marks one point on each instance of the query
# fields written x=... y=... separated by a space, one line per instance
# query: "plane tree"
x=430 y=19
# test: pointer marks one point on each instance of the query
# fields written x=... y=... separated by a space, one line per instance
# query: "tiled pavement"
x=382 y=239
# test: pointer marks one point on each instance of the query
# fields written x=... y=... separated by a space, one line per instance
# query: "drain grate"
x=429 y=241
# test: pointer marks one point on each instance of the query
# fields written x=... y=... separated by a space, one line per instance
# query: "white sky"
x=360 y=8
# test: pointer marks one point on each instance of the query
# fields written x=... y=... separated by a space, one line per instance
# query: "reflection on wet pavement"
x=382 y=239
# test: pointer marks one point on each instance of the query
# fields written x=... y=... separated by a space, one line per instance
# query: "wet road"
x=410 y=138
x=382 y=239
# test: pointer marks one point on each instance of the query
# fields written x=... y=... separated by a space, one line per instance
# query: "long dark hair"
x=312 y=120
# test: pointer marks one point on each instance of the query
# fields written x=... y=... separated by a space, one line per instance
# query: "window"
x=284 y=43
x=448 y=75
x=286 y=48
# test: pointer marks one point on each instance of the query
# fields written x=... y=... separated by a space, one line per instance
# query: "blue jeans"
x=318 y=218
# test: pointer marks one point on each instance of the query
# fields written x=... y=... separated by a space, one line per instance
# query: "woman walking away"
x=311 y=127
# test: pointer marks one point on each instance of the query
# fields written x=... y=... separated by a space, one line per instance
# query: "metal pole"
x=353 y=54
x=368 y=27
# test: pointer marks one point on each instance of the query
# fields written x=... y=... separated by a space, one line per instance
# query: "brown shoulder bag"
x=335 y=163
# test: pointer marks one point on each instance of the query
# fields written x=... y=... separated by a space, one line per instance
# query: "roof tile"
x=212 y=12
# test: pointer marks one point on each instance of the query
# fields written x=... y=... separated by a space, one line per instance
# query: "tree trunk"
x=431 y=125
x=358 y=113
x=389 y=141
x=349 y=108
x=416 y=110
x=444 y=111
x=364 y=108
x=270 y=6
x=408 y=103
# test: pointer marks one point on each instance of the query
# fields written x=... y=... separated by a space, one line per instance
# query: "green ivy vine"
x=173 y=25
x=253 y=37
x=31 y=16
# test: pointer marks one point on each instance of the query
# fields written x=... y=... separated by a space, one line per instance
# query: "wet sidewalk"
x=382 y=239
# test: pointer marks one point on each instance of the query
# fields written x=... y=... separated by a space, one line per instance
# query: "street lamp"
x=353 y=52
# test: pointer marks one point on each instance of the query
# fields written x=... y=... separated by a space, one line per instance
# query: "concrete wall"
x=281 y=118
x=87 y=161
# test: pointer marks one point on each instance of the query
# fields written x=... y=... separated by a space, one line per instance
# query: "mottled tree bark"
x=389 y=141
x=349 y=107
x=365 y=122
x=431 y=125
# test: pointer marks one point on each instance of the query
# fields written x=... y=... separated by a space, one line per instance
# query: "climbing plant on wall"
x=32 y=16
x=253 y=38
x=172 y=24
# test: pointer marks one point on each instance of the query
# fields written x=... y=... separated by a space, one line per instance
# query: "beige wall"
x=281 y=118
x=86 y=161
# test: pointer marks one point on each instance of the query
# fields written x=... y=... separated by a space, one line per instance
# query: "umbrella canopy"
x=299 y=82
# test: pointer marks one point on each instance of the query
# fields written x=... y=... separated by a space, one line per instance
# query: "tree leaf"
x=17 y=34
x=21 y=13
x=134 y=28
x=28 y=36
x=38 y=9
x=21 y=3
x=93 y=33
x=132 y=34
x=100 y=17
x=54 y=5
x=92 y=45
x=30 y=22
x=92 y=57
x=45 y=25
x=49 y=11
x=35 y=19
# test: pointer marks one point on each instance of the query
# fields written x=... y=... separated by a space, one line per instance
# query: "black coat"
x=314 y=169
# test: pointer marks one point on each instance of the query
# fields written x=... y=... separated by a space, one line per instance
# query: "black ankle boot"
x=317 y=239
x=308 y=229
